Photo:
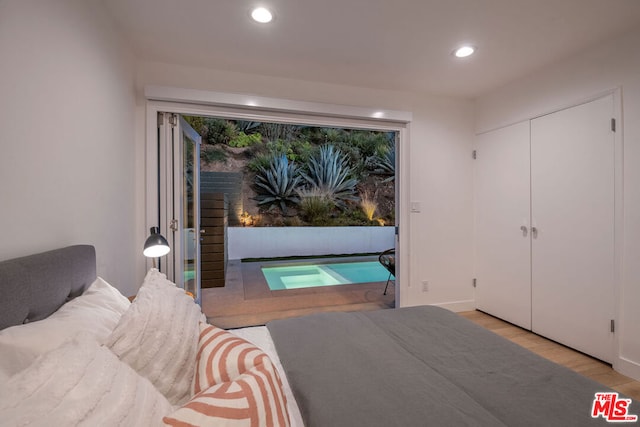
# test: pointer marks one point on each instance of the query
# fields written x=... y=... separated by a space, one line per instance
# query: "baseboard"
x=456 y=306
x=627 y=367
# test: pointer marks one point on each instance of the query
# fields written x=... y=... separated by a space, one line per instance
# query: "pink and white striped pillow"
x=236 y=384
x=254 y=399
x=222 y=357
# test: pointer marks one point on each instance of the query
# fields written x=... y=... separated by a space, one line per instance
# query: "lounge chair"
x=388 y=260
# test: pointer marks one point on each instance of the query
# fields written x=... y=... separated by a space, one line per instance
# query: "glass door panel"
x=179 y=199
x=188 y=165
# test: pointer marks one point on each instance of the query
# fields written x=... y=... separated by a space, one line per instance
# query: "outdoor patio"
x=246 y=299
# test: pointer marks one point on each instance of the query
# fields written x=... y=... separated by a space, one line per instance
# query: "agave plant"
x=278 y=183
x=329 y=173
x=386 y=163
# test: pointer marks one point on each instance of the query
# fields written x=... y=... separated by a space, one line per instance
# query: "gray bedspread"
x=423 y=366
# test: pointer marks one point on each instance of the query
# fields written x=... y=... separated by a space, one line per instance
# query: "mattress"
x=423 y=366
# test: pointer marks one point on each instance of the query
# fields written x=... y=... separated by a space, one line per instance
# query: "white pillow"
x=158 y=336
x=81 y=384
x=97 y=311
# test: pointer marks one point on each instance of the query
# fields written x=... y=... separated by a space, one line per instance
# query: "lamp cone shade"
x=156 y=245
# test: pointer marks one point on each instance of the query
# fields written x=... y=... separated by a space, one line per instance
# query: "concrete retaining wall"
x=268 y=242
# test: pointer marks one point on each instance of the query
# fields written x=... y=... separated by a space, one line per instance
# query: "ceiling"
x=386 y=44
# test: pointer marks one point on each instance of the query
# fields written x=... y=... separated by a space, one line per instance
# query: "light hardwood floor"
x=578 y=362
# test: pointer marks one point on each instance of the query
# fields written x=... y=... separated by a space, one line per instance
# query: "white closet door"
x=572 y=199
x=503 y=261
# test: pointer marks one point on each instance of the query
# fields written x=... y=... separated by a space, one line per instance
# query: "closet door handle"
x=524 y=230
x=534 y=232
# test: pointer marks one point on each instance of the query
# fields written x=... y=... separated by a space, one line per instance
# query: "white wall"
x=441 y=235
x=607 y=66
x=270 y=242
x=67 y=103
x=438 y=158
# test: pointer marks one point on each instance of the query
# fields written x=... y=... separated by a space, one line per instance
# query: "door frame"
x=240 y=107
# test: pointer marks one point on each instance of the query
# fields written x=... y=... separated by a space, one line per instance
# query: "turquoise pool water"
x=312 y=275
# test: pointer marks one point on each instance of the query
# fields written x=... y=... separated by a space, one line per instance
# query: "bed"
x=156 y=361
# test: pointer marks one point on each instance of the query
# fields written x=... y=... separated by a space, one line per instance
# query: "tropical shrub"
x=302 y=150
x=242 y=140
x=213 y=130
x=329 y=173
x=277 y=184
x=296 y=150
x=217 y=131
x=315 y=206
x=260 y=161
x=331 y=135
x=368 y=143
x=350 y=217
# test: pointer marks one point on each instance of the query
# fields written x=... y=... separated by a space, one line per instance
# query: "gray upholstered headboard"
x=35 y=286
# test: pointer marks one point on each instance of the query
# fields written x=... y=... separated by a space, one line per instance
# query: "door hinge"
x=160 y=119
x=474 y=154
x=173 y=120
x=475 y=282
x=613 y=125
x=613 y=325
x=173 y=225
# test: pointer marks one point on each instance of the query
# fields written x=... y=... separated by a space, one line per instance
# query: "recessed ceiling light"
x=262 y=15
x=464 y=51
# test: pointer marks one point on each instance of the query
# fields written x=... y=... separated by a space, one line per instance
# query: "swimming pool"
x=312 y=275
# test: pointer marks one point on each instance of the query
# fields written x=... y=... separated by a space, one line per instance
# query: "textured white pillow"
x=81 y=384
x=158 y=336
x=97 y=311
